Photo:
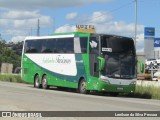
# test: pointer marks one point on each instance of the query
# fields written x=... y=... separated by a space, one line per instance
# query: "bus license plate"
x=119 y=88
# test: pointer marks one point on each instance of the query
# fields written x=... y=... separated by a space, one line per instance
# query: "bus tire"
x=37 y=82
x=82 y=87
x=45 y=82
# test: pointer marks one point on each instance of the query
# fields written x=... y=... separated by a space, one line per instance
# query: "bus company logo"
x=59 y=59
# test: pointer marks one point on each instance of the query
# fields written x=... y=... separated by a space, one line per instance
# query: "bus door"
x=94 y=53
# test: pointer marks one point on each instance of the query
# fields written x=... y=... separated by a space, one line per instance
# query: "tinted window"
x=64 y=45
x=83 y=44
x=69 y=45
x=60 y=45
x=33 y=46
x=94 y=45
x=48 y=46
x=117 y=44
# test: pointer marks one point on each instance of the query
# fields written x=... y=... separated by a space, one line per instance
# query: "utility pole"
x=38 y=28
x=54 y=25
x=135 y=37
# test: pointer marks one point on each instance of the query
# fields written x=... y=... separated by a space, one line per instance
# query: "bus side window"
x=51 y=45
x=26 y=48
x=44 y=49
x=69 y=45
x=94 y=49
x=30 y=47
x=83 y=43
x=47 y=46
x=60 y=45
x=32 y=50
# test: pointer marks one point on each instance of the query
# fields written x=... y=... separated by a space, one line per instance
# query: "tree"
x=9 y=55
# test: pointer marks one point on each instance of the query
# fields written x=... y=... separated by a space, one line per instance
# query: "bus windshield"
x=116 y=44
x=119 y=53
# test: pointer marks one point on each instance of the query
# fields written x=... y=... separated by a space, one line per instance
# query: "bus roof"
x=70 y=34
x=58 y=35
x=75 y=33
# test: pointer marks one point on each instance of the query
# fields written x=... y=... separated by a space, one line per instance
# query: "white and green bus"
x=83 y=61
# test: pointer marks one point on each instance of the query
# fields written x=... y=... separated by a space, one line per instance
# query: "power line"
x=114 y=10
x=111 y=11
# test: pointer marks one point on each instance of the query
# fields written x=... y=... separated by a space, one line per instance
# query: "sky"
x=18 y=18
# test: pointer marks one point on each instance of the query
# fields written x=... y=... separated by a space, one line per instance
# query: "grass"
x=147 y=92
x=11 y=78
x=150 y=92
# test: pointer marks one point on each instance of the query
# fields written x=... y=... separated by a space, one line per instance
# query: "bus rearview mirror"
x=101 y=63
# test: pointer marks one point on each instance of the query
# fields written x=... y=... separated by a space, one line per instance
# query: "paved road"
x=16 y=96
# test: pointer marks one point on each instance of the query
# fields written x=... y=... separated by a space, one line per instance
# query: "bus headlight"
x=133 y=83
x=104 y=80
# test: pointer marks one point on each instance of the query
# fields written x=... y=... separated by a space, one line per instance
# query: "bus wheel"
x=82 y=87
x=37 y=82
x=45 y=82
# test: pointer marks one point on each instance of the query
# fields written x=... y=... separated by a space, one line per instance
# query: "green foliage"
x=145 y=92
x=2 y=46
x=9 y=55
x=11 y=78
x=150 y=92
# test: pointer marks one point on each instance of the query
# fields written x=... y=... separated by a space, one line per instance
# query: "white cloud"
x=111 y=26
x=16 y=39
x=44 y=21
x=100 y=17
x=20 y=14
x=104 y=23
x=71 y=16
x=13 y=33
x=23 y=22
x=4 y=23
x=19 y=17
x=140 y=50
x=23 y=19
x=65 y=28
x=39 y=4
x=140 y=42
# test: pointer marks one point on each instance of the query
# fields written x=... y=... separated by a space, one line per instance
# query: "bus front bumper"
x=102 y=86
